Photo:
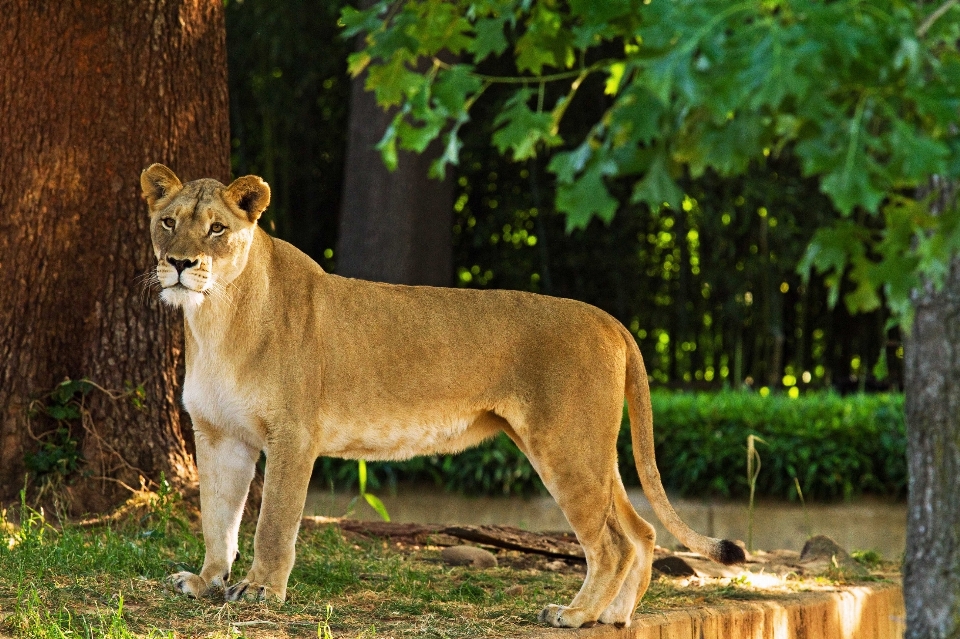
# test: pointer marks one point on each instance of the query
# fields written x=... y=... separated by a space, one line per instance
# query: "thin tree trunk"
x=931 y=572
x=394 y=226
x=93 y=92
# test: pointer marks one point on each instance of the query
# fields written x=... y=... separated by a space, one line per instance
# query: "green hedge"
x=837 y=447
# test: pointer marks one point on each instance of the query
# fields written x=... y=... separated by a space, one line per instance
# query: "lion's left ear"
x=250 y=194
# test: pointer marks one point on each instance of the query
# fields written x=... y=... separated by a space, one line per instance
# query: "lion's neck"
x=241 y=304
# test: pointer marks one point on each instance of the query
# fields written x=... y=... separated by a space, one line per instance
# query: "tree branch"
x=933 y=17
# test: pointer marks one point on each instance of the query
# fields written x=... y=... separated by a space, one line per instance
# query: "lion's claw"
x=187 y=583
x=565 y=617
x=250 y=591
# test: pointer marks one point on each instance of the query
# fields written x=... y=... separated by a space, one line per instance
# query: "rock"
x=514 y=591
x=468 y=556
x=821 y=553
x=821 y=547
x=556 y=565
x=674 y=566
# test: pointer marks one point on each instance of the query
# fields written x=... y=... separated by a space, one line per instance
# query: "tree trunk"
x=931 y=578
x=92 y=93
x=394 y=227
x=931 y=369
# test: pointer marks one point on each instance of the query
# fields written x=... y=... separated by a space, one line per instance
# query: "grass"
x=108 y=581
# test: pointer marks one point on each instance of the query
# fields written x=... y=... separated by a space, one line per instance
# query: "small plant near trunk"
x=57 y=420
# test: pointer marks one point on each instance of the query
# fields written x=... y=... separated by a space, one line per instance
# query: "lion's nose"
x=182 y=265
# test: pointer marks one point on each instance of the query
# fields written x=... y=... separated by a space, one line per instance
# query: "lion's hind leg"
x=643 y=536
x=585 y=492
x=610 y=556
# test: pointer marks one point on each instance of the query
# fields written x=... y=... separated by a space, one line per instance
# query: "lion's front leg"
x=284 y=494
x=226 y=469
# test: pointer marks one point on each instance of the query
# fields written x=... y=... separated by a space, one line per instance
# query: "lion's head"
x=201 y=231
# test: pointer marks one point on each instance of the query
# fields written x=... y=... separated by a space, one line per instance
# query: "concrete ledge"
x=856 y=612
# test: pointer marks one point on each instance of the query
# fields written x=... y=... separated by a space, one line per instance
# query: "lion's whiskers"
x=221 y=293
x=148 y=282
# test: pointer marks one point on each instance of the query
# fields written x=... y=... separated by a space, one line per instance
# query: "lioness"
x=284 y=358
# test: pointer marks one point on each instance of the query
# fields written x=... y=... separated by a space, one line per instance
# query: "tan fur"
x=284 y=358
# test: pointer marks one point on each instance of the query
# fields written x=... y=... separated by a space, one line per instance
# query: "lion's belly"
x=394 y=439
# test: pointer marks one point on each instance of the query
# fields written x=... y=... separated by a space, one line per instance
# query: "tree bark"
x=931 y=578
x=92 y=93
x=394 y=226
x=931 y=571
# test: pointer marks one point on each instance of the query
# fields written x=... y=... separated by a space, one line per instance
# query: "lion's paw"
x=565 y=617
x=187 y=583
x=252 y=591
x=616 y=619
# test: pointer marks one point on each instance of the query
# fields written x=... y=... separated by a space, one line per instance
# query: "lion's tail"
x=641 y=427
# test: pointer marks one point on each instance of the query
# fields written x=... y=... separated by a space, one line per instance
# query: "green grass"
x=108 y=581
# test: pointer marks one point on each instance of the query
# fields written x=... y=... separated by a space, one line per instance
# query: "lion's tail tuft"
x=641 y=427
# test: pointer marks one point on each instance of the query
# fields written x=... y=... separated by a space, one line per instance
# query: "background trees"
x=865 y=96
x=91 y=94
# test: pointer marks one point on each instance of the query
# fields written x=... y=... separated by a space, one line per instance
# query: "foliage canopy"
x=865 y=94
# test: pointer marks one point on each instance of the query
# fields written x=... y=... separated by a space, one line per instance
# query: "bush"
x=836 y=447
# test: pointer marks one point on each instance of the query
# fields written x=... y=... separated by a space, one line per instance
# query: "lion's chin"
x=182 y=297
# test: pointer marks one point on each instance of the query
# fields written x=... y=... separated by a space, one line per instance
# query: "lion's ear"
x=158 y=182
x=250 y=194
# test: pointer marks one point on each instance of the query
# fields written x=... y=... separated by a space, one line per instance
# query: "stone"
x=468 y=556
x=821 y=547
x=821 y=553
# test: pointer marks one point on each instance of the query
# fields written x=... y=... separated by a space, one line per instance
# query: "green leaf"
x=66 y=390
x=489 y=38
x=636 y=116
x=915 y=155
x=615 y=78
x=377 y=505
x=864 y=297
x=393 y=82
x=545 y=42
x=587 y=196
x=851 y=188
x=829 y=252
x=452 y=87
x=366 y=21
x=362 y=475
x=566 y=164
x=520 y=129
x=657 y=187
x=388 y=144
x=451 y=150
x=439 y=26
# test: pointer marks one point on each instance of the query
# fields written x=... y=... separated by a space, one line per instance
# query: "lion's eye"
x=168 y=223
x=217 y=228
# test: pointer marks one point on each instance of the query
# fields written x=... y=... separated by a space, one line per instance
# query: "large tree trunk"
x=394 y=226
x=931 y=572
x=92 y=93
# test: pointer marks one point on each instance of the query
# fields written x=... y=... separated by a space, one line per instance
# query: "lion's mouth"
x=181 y=295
